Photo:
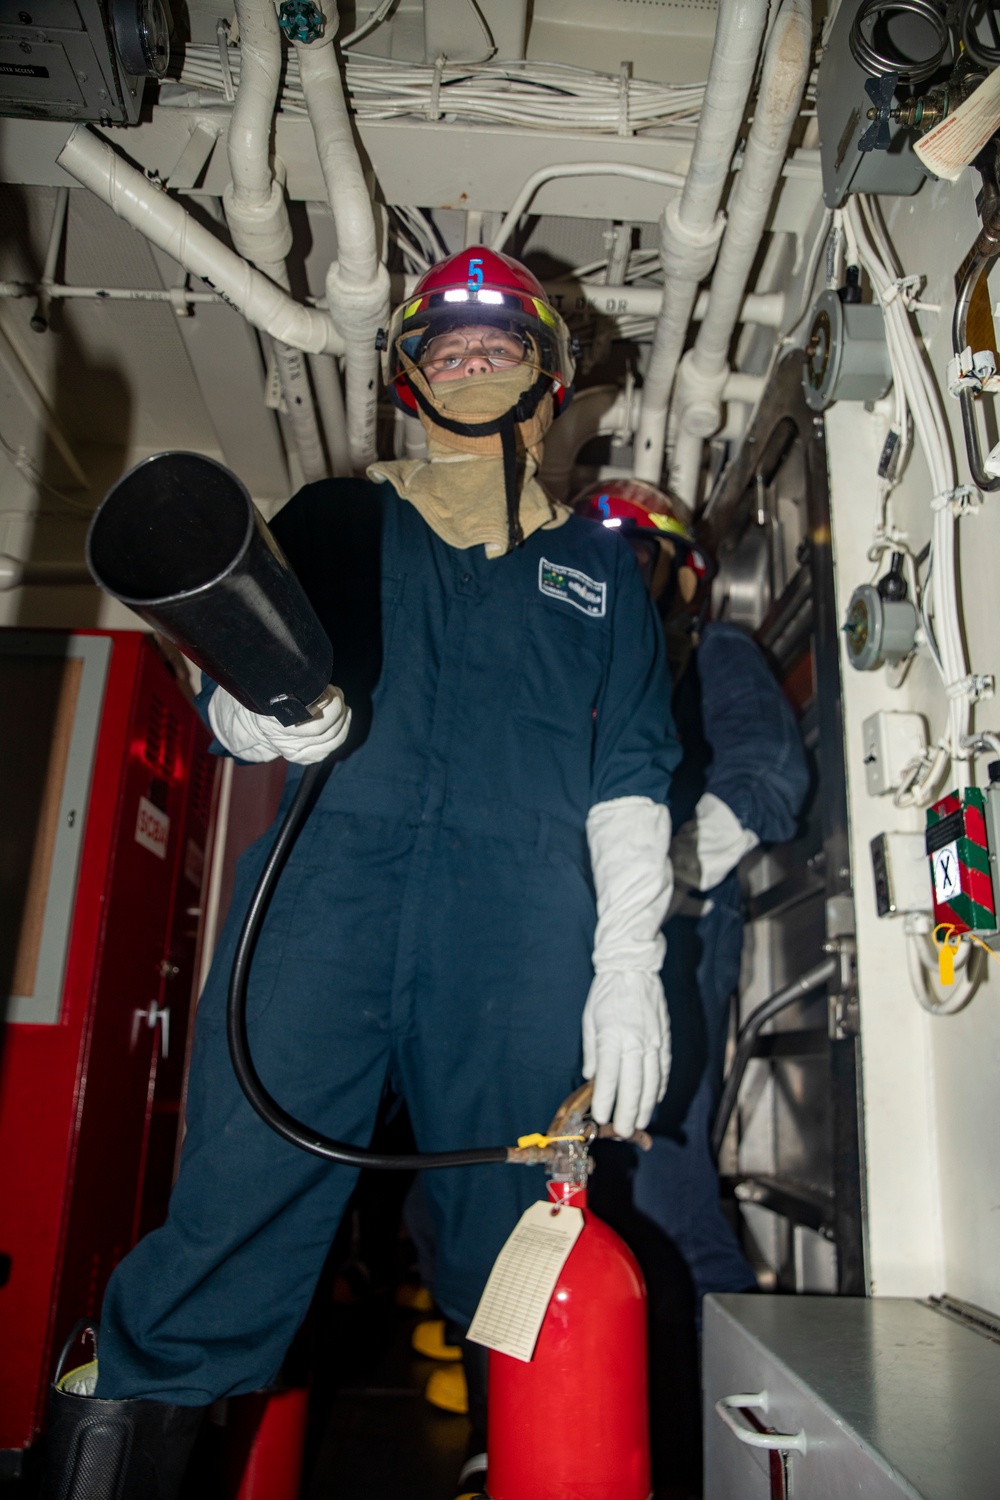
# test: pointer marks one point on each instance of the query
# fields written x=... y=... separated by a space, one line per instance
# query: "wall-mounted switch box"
x=902 y=876
x=892 y=741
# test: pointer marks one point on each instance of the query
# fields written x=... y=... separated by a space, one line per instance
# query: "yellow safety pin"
x=546 y=1140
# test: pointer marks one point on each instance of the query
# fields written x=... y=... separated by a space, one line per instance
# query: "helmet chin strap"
x=505 y=427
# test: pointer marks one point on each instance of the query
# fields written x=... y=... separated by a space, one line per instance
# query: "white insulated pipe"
x=598 y=409
x=163 y=221
x=357 y=283
x=330 y=396
x=692 y=225
x=626 y=301
x=248 y=140
x=15 y=573
x=578 y=169
x=257 y=213
x=702 y=372
x=602 y=409
x=766 y=309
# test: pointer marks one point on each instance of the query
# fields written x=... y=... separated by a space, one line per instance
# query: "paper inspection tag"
x=512 y=1307
x=949 y=147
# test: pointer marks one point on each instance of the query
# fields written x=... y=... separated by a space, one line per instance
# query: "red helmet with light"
x=478 y=288
x=645 y=515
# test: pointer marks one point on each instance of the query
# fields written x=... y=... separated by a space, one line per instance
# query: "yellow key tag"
x=946 y=963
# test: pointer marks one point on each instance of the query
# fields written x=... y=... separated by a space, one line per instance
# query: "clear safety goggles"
x=447 y=352
x=418 y=333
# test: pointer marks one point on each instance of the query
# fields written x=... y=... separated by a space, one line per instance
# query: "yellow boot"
x=429 y=1340
x=417 y=1298
x=448 y=1391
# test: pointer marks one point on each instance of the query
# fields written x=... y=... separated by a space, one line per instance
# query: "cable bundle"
x=530 y=95
x=913 y=380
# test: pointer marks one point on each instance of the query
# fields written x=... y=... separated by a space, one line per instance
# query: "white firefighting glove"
x=259 y=737
x=626 y=1029
x=708 y=847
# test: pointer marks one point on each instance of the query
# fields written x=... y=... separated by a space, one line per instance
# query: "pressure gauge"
x=142 y=36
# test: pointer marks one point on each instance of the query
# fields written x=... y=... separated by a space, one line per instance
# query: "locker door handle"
x=775 y=1441
x=155 y=1016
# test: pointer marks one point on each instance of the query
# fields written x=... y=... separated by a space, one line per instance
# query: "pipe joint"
x=701 y=417
x=699 y=397
x=358 y=311
x=166 y=223
x=261 y=230
x=686 y=250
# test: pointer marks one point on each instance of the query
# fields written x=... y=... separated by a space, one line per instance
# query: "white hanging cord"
x=26 y=466
x=375 y=18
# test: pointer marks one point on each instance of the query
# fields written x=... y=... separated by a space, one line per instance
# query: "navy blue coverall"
x=740 y=742
x=432 y=929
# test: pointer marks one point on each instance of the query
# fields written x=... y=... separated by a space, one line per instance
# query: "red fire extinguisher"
x=573 y=1424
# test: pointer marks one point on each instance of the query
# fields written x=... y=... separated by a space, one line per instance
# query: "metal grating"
x=162 y=734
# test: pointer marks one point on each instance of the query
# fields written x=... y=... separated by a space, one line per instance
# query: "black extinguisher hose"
x=267 y=1107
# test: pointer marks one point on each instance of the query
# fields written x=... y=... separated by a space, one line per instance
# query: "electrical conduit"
x=692 y=225
x=702 y=371
x=357 y=283
x=257 y=213
x=164 y=222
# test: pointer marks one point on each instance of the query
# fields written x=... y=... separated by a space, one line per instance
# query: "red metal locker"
x=112 y=778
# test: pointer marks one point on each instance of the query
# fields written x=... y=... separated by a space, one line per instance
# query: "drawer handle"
x=775 y=1441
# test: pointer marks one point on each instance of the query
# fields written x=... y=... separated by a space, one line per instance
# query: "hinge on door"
x=842 y=1017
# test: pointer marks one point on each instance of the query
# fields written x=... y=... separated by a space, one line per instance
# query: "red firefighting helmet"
x=472 y=288
x=644 y=514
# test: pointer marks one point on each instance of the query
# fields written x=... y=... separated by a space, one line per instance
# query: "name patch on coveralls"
x=573 y=587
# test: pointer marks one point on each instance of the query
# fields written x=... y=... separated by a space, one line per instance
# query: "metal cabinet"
x=822 y=1398
x=106 y=803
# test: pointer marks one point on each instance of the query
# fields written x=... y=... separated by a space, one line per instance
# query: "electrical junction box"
x=958 y=849
x=847 y=358
x=842 y=107
x=892 y=742
x=902 y=881
x=878 y=630
x=80 y=59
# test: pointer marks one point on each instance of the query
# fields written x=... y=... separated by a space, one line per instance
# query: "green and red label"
x=960 y=862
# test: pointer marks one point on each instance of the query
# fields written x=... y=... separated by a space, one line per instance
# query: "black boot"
x=114 y=1450
x=472 y=1479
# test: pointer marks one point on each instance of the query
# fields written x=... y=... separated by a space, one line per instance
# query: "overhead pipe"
x=330 y=395
x=571 y=297
x=603 y=409
x=166 y=223
x=178 y=297
x=628 y=301
x=692 y=225
x=576 y=169
x=40 y=317
x=702 y=372
x=29 y=388
x=596 y=410
x=766 y=309
x=357 y=283
x=257 y=213
x=15 y=573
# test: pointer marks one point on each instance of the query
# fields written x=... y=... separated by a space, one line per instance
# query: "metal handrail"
x=812 y=979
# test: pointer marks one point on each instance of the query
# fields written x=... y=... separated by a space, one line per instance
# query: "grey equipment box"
x=874 y=1397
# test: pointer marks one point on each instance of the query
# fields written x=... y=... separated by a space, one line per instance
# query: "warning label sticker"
x=152 y=828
